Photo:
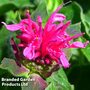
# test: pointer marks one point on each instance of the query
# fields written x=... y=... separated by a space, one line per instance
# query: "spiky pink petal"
x=64 y=61
x=29 y=52
x=79 y=45
x=12 y=27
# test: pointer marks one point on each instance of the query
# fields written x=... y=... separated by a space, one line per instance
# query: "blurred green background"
x=78 y=11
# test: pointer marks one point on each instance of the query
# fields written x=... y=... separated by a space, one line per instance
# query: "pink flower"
x=46 y=44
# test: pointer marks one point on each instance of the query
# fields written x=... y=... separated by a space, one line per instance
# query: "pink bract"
x=46 y=43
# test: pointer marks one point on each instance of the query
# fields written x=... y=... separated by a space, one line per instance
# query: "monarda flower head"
x=46 y=44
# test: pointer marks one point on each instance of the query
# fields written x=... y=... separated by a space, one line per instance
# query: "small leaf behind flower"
x=37 y=83
x=59 y=81
x=74 y=29
x=13 y=68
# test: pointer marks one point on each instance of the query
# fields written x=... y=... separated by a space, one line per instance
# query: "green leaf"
x=5 y=47
x=86 y=22
x=86 y=50
x=72 y=12
x=8 y=5
x=40 y=11
x=22 y=3
x=13 y=68
x=37 y=83
x=51 y=87
x=59 y=81
x=52 y=5
x=84 y=18
x=68 y=53
x=19 y=3
x=84 y=4
x=74 y=29
x=13 y=17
